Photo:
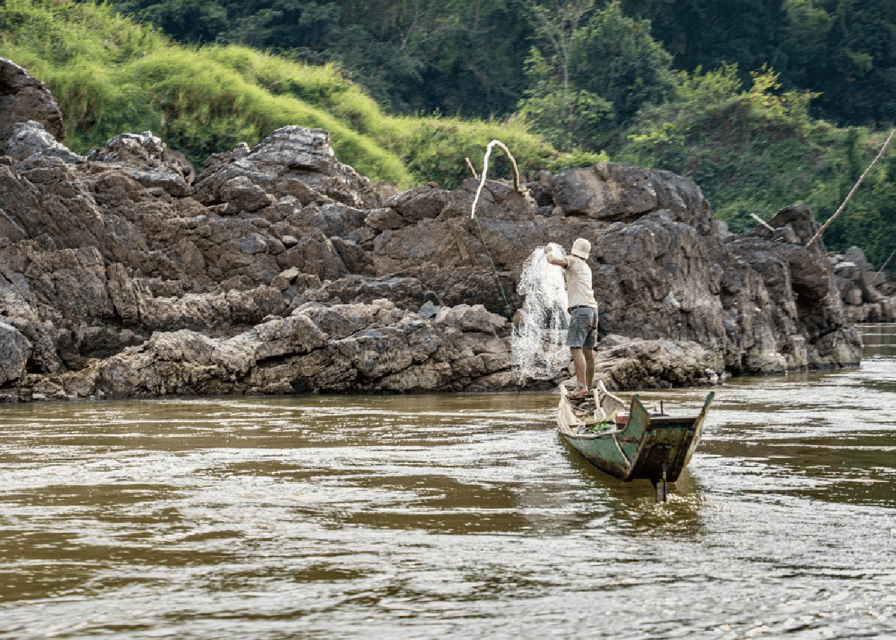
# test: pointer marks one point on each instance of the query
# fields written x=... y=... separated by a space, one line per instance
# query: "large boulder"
x=615 y=192
x=31 y=139
x=15 y=350
x=291 y=161
x=22 y=99
x=624 y=363
x=340 y=348
x=149 y=161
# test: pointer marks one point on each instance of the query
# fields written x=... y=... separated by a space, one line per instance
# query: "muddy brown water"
x=448 y=516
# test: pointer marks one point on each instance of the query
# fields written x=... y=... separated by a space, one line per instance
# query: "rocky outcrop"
x=355 y=348
x=278 y=269
x=24 y=98
x=868 y=294
x=802 y=323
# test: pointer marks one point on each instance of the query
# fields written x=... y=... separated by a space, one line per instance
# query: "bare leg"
x=589 y=368
x=579 y=360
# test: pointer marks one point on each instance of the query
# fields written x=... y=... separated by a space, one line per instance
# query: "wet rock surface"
x=277 y=269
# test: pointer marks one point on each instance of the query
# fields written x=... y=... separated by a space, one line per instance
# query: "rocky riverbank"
x=868 y=294
x=277 y=269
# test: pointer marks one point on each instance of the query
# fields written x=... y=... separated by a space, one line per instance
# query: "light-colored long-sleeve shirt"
x=579 y=288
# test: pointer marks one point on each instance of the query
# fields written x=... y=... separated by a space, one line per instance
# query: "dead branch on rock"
x=516 y=172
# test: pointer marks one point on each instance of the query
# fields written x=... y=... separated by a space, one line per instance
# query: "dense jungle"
x=763 y=103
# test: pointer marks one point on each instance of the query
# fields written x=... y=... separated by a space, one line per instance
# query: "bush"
x=751 y=151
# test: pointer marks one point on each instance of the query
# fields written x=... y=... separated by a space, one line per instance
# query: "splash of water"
x=537 y=339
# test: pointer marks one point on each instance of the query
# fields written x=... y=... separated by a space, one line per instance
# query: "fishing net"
x=538 y=336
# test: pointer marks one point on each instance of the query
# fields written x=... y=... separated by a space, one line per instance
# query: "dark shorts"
x=582 y=328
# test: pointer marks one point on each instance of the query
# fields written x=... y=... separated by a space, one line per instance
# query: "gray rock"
x=292 y=161
x=15 y=350
x=23 y=98
x=281 y=270
x=149 y=161
x=30 y=139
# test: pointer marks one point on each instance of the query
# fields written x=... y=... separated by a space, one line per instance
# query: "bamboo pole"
x=471 y=168
x=516 y=185
x=851 y=193
x=883 y=265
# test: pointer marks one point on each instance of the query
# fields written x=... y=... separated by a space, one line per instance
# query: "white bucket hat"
x=581 y=248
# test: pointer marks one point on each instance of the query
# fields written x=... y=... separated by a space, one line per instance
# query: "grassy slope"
x=750 y=150
x=112 y=76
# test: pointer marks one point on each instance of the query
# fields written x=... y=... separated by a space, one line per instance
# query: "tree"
x=590 y=73
x=749 y=149
x=286 y=25
x=709 y=33
x=843 y=49
x=618 y=59
x=567 y=116
x=858 y=77
x=188 y=21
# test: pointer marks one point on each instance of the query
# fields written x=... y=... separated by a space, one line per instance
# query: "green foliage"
x=709 y=33
x=224 y=105
x=857 y=81
x=617 y=58
x=425 y=56
x=63 y=45
x=843 y=50
x=577 y=102
x=569 y=117
x=757 y=150
x=596 y=80
x=468 y=58
x=752 y=151
x=111 y=76
x=869 y=220
x=435 y=148
x=99 y=103
x=282 y=25
x=187 y=20
x=60 y=33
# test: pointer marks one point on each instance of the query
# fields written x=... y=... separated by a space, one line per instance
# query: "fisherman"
x=582 y=335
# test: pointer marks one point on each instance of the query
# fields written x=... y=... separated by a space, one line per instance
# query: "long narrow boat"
x=630 y=443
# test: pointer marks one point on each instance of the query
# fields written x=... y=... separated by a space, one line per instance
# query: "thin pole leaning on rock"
x=519 y=189
x=879 y=271
x=851 y=193
x=472 y=168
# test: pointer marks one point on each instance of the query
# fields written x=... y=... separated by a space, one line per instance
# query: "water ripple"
x=447 y=516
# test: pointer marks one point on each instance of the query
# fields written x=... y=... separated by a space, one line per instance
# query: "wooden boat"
x=630 y=443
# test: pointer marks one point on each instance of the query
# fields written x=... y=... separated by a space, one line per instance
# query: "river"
x=448 y=516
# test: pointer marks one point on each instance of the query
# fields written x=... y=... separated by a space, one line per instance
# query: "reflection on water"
x=448 y=516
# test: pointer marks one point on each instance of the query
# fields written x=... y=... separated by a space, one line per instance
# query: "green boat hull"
x=637 y=446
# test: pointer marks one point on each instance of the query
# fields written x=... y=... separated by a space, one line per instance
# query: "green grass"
x=111 y=76
x=751 y=150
